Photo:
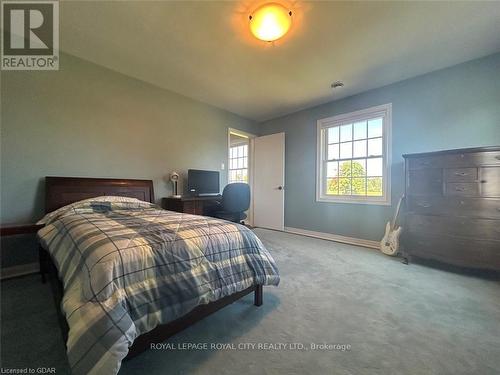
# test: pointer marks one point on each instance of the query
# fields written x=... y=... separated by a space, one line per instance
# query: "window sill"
x=383 y=201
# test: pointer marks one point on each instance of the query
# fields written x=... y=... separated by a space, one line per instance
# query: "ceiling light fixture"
x=270 y=22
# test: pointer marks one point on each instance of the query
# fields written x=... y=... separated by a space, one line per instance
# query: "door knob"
x=280 y=187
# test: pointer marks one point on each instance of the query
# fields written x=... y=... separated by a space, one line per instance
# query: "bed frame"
x=60 y=191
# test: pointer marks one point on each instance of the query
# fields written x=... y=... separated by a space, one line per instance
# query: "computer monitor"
x=202 y=182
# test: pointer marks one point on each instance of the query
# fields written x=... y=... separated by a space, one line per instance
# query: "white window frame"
x=250 y=137
x=247 y=157
x=384 y=111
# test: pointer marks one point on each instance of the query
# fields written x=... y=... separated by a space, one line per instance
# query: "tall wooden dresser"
x=453 y=207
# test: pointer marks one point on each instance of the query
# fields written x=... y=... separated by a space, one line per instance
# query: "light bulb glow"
x=270 y=22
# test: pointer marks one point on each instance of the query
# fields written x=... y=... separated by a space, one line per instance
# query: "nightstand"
x=19 y=229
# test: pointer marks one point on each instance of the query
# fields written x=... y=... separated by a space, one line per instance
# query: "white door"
x=269 y=182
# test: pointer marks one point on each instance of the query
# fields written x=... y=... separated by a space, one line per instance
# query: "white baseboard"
x=23 y=269
x=335 y=237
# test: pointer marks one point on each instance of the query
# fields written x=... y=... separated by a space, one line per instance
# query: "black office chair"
x=235 y=201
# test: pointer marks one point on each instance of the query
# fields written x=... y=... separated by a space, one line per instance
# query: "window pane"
x=245 y=150
x=345 y=169
x=374 y=167
x=374 y=186
x=358 y=168
x=346 y=150
x=240 y=163
x=344 y=186
x=240 y=151
x=333 y=134
x=245 y=162
x=359 y=149
x=346 y=133
x=333 y=151
x=375 y=128
x=375 y=147
x=332 y=169
x=232 y=164
x=332 y=186
x=353 y=157
x=233 y=176
x=360 y=130
x=233 y=152
x=358 y=186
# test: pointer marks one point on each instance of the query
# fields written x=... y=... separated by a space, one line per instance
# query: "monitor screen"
x=203 y=182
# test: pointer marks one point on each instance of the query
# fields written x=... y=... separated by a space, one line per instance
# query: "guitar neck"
x=396 y=214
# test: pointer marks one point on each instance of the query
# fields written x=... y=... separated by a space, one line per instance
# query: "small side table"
x=16 y=229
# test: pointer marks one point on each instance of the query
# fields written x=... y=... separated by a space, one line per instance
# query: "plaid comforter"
x=128 y=267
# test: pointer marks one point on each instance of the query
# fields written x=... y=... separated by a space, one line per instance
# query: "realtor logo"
x=30 y=35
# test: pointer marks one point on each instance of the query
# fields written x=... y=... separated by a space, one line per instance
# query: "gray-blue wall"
x=86 y=120
x=450 y=108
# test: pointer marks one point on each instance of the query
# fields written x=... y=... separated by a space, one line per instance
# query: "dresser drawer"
x=458 y=251
x=487 y=229
x=425 y=182
x=455 y=160
x=488 y=208
x=462 y=189
x=473 y=159
x=426 y=162
x=490 y=181
x=461 y=174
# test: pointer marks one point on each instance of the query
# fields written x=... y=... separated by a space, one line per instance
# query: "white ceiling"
x=204 y=49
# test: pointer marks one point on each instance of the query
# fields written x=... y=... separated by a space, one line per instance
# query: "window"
x=353 y=164
x=238 y=163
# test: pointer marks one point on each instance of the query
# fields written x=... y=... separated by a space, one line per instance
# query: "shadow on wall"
x=397 y=180
x=39 y=200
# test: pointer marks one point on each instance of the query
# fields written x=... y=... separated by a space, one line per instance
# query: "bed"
x=127 y=274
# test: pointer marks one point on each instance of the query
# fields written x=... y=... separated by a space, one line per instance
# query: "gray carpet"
x=397 y=319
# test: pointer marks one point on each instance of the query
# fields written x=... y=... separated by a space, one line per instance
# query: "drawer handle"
x=497 y=157
x=426 y=205
x=483 y=181
x=458 y=188
x=461 y=174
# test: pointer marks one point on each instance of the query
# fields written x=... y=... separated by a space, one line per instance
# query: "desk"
x=192 y=205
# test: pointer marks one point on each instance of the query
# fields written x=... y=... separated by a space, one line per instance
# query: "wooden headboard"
x=60 y=191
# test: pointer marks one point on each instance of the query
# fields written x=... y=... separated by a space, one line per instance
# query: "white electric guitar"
x=390 y=243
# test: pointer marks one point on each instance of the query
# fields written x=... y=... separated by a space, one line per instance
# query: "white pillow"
x=86 y=202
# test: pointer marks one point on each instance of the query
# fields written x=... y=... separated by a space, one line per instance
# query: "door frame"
x=250 y=137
